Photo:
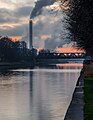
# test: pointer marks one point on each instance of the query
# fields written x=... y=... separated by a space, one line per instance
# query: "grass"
x=88 y=98
x=88 y=70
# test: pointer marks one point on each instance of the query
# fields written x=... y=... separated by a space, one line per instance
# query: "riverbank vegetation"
x=80 y=22
x=88 y=98
x=88 y=92
x=11 y=51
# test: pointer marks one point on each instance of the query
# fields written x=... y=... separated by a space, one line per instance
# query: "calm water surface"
x=37 y=94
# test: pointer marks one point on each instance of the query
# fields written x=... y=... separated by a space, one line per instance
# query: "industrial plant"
x=18 y=51
x=46 y=56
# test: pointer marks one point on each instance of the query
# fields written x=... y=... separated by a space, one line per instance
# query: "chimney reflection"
x=31 y=81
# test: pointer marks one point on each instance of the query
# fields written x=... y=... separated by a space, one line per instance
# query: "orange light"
x=70 y=65
x=16 y=38
x=69 y=50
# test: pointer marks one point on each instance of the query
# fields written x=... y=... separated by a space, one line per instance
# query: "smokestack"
x=30 y=33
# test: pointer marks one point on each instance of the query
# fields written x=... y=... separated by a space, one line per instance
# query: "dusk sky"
x=14 y=16
x=14 y=21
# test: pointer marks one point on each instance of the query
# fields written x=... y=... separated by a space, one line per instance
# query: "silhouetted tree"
x=6 y=49
x=15 y=51
x=80 y=22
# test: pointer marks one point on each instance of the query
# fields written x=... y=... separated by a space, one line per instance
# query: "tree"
x=80 y=23
x=6 y=49
x=15 y=51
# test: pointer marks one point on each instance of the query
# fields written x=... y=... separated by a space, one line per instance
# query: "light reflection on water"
x=37 y=94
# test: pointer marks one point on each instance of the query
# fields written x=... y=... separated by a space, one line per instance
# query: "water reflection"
x=37 y=94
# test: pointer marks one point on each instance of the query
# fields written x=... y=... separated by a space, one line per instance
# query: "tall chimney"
x=30 y=33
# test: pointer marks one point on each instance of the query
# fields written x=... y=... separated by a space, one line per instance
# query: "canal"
x=39 y=93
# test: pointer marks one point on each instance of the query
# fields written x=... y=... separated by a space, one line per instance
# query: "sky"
x=48 y=30
x=14 y=16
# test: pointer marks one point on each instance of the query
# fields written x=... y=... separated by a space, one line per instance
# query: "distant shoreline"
x=16 y=65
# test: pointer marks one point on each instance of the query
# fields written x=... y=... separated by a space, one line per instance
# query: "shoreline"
x=88 y=91
x=75 y=109
x=16 y=65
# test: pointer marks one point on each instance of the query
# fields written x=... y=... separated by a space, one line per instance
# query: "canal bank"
x=88 y=91
x=16 y=65
x=75 y=109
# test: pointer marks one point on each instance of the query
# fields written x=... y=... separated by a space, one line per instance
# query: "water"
x=37 y=94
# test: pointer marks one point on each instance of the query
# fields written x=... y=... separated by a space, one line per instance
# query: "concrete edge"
x=75 y=109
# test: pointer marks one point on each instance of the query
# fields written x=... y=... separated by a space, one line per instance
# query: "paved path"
x=75 y=110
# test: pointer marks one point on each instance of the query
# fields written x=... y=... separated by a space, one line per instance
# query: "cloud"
x=7 y=16
x=14 y=31
x=7 y=4
x=23 y=11
x=13 y=22
x=12 y=4
x=14 y=11
x=14 y=16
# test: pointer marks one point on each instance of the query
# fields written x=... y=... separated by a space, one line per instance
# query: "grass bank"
x=88 y=92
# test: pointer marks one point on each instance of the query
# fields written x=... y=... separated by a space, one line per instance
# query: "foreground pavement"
x=75 y=110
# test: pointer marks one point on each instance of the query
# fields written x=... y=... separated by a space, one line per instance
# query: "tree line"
x=11 y=51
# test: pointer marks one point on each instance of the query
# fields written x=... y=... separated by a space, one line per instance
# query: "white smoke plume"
x=48 y=23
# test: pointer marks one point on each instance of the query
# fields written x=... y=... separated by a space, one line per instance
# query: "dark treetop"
x=80 y=23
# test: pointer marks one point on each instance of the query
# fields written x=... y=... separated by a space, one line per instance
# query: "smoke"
x=71 y=44
x=48 y=23
x=39 y=5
